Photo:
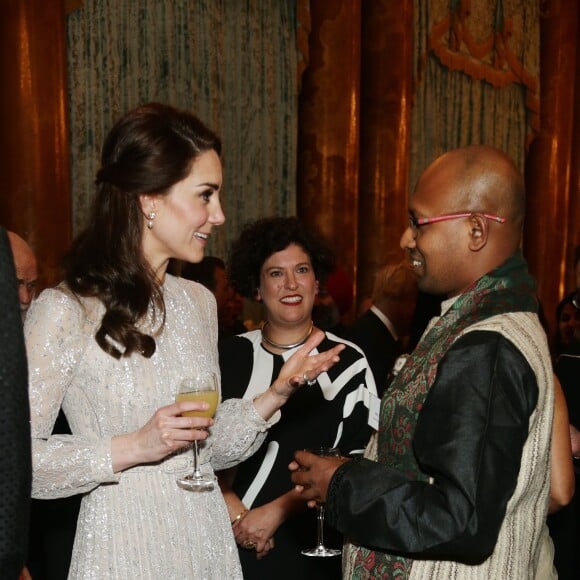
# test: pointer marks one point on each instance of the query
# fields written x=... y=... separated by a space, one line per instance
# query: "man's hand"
x=312 y=474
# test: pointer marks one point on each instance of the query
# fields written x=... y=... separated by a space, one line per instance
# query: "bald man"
x=26 y=271
x=456 y=482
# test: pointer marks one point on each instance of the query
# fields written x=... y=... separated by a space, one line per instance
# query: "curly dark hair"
x=149 y=150
x=262 y=238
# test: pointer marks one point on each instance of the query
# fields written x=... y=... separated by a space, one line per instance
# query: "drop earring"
x=150 y=217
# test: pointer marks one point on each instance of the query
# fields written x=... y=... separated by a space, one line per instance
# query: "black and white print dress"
x=334 y=412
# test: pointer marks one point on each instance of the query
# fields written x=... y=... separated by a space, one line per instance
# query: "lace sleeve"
x=63 y=465
x=238 y=432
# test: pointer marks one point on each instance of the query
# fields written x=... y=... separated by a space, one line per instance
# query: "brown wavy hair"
x=149 y=150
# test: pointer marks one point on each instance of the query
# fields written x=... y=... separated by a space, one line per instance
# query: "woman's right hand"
x=165 y=432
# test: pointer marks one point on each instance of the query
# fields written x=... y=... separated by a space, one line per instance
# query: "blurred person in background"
x=332 y=304
x=383 y=331
x=52 y=522
x=568 y=320
x=26 y=271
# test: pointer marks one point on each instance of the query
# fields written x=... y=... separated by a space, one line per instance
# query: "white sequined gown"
x=137 y=524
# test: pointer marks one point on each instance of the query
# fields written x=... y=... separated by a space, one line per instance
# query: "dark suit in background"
x=383 y=331
x=15 y=459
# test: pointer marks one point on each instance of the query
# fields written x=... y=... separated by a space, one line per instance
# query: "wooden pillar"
x=548 y=165
x=386 y=94
x=328 y=134
x=34 y=153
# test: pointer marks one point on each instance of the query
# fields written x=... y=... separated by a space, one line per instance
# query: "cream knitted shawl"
x=524 y=549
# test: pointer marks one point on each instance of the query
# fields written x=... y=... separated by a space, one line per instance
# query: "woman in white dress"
x=110 y=344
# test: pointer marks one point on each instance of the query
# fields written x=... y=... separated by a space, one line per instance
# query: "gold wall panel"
x=328 y=133
x=386 y=94
x=548 y=164
x=34 y=143
x=574 y=206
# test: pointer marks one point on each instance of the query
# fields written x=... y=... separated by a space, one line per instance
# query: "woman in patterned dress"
x=281 y=263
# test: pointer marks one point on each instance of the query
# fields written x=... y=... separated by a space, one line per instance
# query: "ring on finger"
x=308 y=381
x=249 y=545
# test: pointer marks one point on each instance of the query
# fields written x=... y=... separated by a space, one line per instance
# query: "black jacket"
x=15 y=459
x=469 y=438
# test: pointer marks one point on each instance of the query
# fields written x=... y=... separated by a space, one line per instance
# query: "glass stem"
x=196 y=471
x=320 y=525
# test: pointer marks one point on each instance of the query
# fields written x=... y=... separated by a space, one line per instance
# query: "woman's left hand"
x=255 y=531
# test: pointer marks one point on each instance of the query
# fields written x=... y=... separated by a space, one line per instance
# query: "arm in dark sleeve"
x=469 y=439
x=15 y=459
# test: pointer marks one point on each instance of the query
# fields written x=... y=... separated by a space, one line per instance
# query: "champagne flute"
x=200 y=387
x=320 y=550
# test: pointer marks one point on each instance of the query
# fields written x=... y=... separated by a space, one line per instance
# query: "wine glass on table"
x=320 y=550
x=200 y=387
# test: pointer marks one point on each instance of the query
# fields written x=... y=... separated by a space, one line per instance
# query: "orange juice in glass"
x=199 y=387
x=209 y=397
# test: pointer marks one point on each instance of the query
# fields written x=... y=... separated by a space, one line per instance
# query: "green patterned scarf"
x=508 y=288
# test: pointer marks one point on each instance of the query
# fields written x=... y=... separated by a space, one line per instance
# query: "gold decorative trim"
x=492 y=60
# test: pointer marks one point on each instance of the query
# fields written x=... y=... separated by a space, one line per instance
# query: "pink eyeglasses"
x=415 y=223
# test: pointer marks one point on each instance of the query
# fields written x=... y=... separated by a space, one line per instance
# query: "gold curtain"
x=232 y=63
x=476 y=67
